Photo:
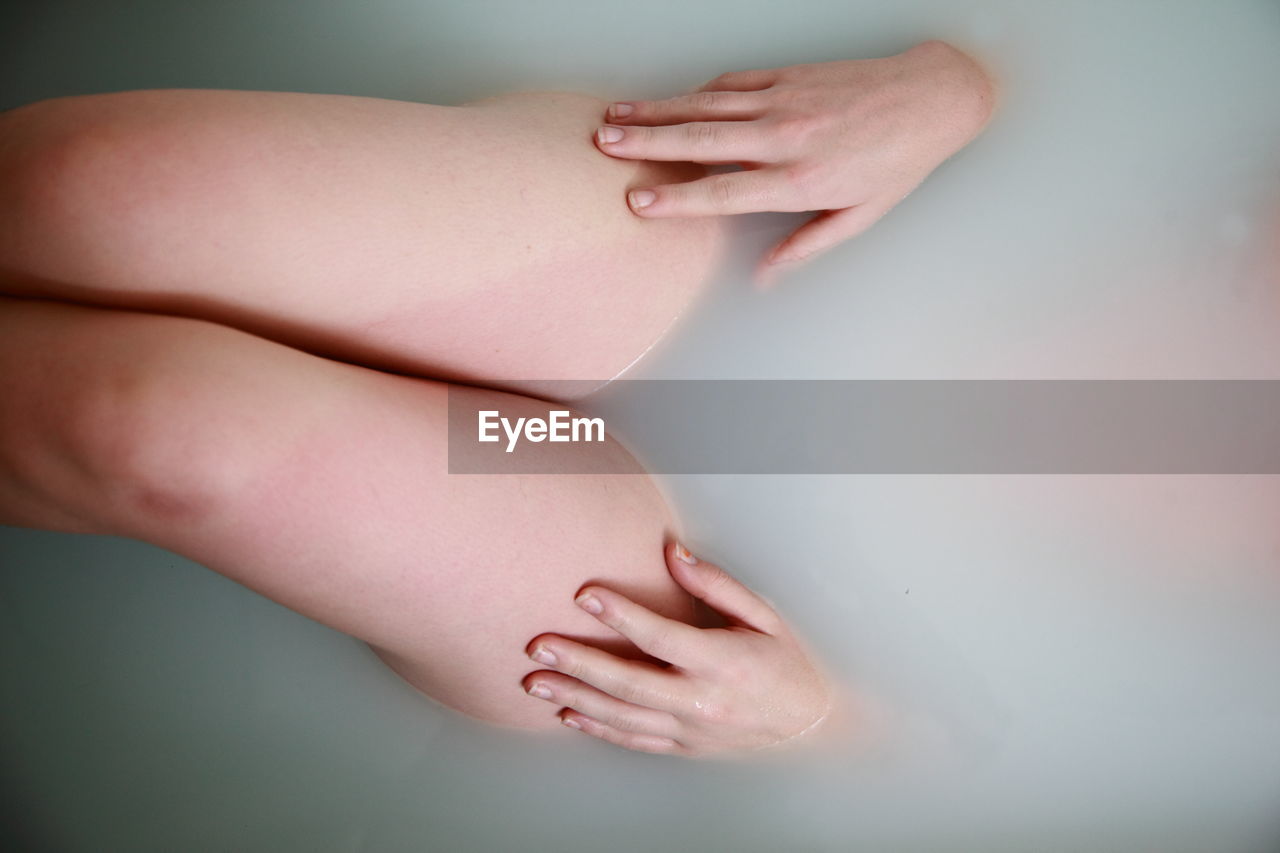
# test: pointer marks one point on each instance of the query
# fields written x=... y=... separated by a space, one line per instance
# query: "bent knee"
x=191 y=416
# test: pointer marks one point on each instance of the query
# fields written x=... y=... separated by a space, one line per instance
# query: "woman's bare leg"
x=489 y=242
x=322 y=486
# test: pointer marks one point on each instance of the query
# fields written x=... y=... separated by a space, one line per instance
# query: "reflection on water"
x=1086 y=659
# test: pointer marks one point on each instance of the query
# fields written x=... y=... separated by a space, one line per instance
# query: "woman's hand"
x=849 y=139
x=744 y=687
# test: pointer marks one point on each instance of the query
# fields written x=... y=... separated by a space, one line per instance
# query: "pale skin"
x=472 y=243
x=255 y=458
x=323 y=486
x=749 y=685
x=848 y=139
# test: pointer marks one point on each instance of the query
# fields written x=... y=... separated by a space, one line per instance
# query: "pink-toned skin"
x=487 y=243
x=744 y=686
x=849 y=139
x=484 y=242
x=323 y=486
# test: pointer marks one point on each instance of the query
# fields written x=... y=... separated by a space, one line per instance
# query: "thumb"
x=722 y=593
x=829 y=228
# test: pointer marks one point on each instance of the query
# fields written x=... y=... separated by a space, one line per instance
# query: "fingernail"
x=542 y=655
x=571 y=723
x=609 y=134
x=589 y=603
x=540 y=690
x=640 y=199
x=620 y=110
x=684 y=555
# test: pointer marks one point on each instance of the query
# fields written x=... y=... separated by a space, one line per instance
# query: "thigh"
x=325 y=487
x=489 y=242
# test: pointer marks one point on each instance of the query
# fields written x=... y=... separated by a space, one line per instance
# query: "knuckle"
x=723 y=194
x=805 y=180
x=668 y=747
x=621 y=722
x=711 y=714
x=592 y=726
x=609 y=735
x=703 y=134
x=628 y=692
x=804 y=102
x=791 y=73
x=799 y=174
x=618 y=619
x=793 y=130
x=566 y=691
x=706 y=101
x=658 y=643
x=573 y=666
x=637 y=135
x=717 y=578
x=769 y=195
x=626 y=740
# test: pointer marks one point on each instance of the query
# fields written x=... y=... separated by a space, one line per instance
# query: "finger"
x=829 y=228
x=697 y=106
x=627 y=740
x=623 y=716
x=743 y=81
x=631 y=681
x=665 y=639
x=695 y=142
x=721 y=592
x=716 y=195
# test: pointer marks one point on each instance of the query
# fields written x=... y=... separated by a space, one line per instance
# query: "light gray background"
x=1070 y=662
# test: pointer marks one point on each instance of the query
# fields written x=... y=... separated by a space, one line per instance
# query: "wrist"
x=970 y=91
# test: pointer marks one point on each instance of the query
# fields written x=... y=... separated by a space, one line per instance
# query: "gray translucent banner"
x=877 y=427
